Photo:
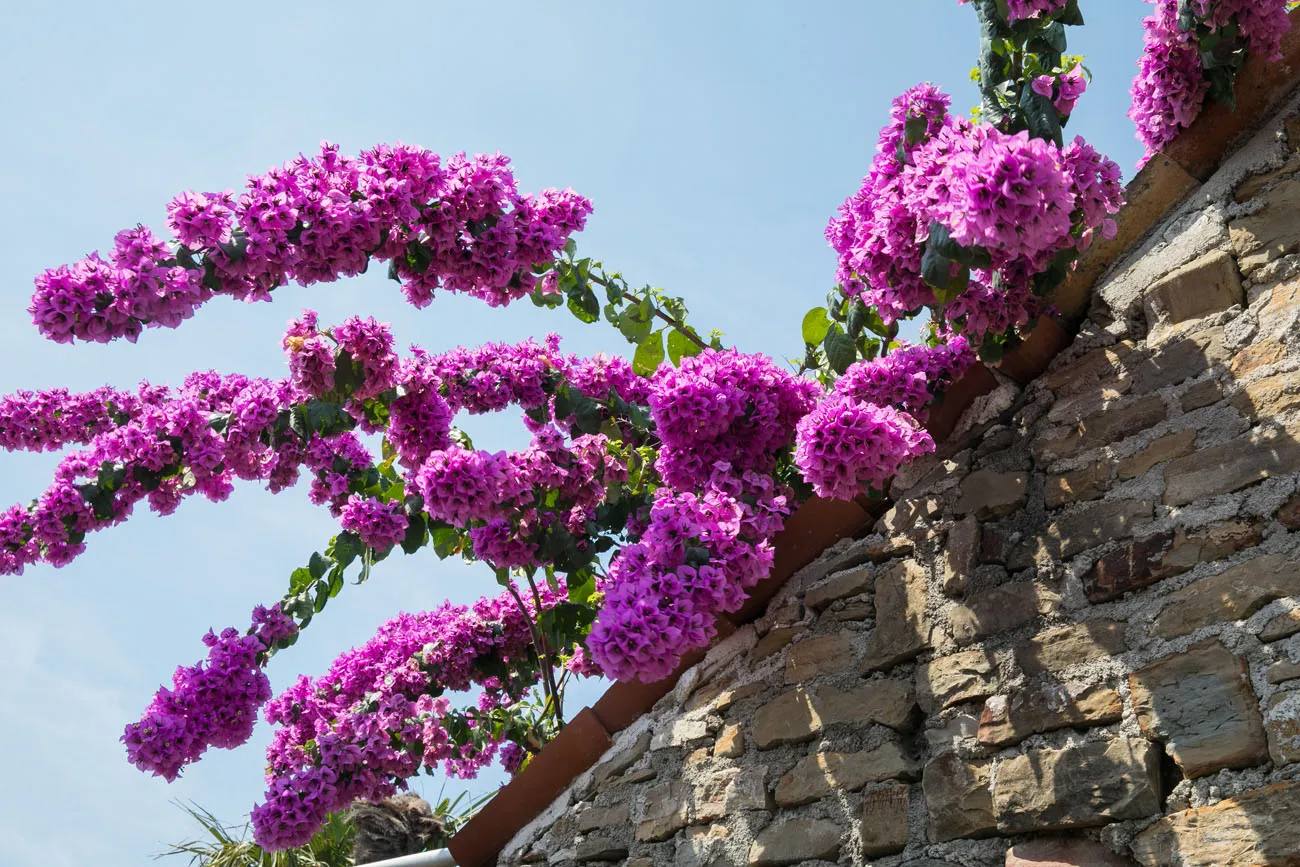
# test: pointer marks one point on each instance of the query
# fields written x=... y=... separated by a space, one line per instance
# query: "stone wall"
x=1074 y=639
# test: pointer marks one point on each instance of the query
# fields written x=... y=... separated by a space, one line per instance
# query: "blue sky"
x=715 y=139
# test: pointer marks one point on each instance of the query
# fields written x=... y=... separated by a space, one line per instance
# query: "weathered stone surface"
x=621 y=761
x=1282 y=722
x=1260 y=827
x=1010 y=719
x=679 y=733
x=1104 y=522
x=986 y=493
x=1258 y=354
x=667 y=810
x=1255 y=184
x=1064 y=853
x=852 y=611
x=884 y=828
x=729 y=697
x=795 y=840
x=1206 y=285
x=949 y=680
x=1289 y=514
x=748 y=791
x=1238 y=463
x=957 y=798
x=888 y=702
x=801 y=714
x=709 y=796
x=602 y=817
x=1181 y=357
x=819 y=655
x=1282 y=671
x=1076 y=486
x=902 y=623
x=1088 y=784
x=819 y=775
x=1269 y=233
x=1055 y=650
x=1285 y=624
x=1234 y=594
x=704 y=845
x=600 y=849
x=961 y=555
x=775 y=641
x=1088 y=371
x=1268 y=396
x=1200 y=704
x=1162 y=555
x=1164 y=449
x=1200 y=395
x=1110 y=425
x=904 y=516
x=997 y=610
x=730 y=743
x=839 y=586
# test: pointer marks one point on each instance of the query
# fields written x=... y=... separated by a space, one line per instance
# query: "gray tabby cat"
x=401 y=825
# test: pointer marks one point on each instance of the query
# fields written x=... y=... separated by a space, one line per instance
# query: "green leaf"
x=1041 y=118
x=840 y=349
x=318 y=565
x=680 y=346
x=583 y=304
x=649 y=354
x=446 y=541
x=581 y=585
x=1071 y=15
x=915 y=128
x=816 y=322
x=417 y=533
x=859 y=314
x=300 y=579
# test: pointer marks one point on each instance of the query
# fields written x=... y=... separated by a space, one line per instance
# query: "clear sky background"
x=715 y=138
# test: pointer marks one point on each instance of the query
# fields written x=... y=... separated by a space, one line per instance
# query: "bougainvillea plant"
x=646 y=502
x=1193 y=49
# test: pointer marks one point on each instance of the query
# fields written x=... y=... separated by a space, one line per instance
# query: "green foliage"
x=219 y=845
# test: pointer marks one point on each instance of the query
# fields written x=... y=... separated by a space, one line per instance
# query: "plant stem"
x=681 y=327
x=547 y=668
x=538 y=641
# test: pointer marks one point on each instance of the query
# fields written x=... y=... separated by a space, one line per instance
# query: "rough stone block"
x=1077 y=486
x=1282 y=722
x=730 y=743
x=679 y=733
x=748 y=791
x=1234 y=594
x=820 y=655
x=1269 y=233
x=904 y=516
x=1207 y=285
x=884 y=828
x=1282 y=671
x=1202 y=394
x=1241 y=462
x=1289 y=514
x=1104 y=522
x=801 y=714
x=1010 y=719
x=839 y=586
x=775 y=641
x=1268 y=397
x=1200 y=704
x=958 y=800
x=1258 y=354
x=1283 y=625
x=950 y=680
x=729 y=697
x=1089 y=784
x=600 y=849
x=902 y=622
x=1113 y=425
x=667 y=810
x=819 y=775
x=998 y=610
x=1164 y=449
x=594 y=818
x=1260 y=827
x=621 y=761
x=1181 y=357
x=986 y=493
x=961 y=555
x=1162 y=555
x=1064 y=853
x=795 y=840
x=1055 y=650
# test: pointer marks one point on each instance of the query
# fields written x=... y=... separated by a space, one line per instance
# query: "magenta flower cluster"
x=377 y=716
x=723 y=406
x=1171 y=84
x=695 y=559
x=1019 y=10
x=211 y=704
x=1022 y=200
x=462 y=226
